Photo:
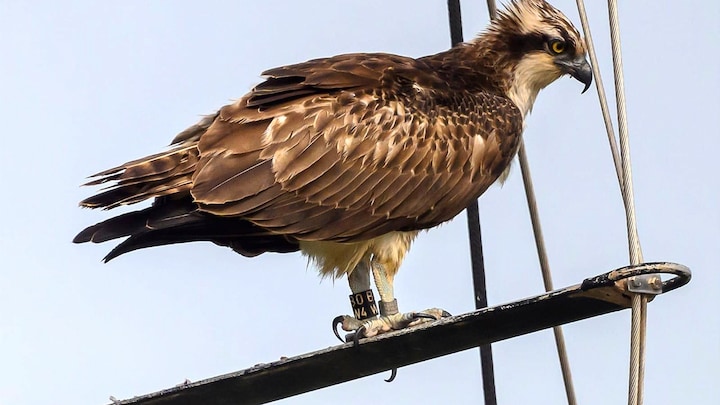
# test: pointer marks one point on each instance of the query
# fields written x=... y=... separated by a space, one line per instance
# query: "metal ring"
x=682 y=273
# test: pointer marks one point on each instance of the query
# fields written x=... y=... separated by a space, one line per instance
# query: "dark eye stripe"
x=522 y=44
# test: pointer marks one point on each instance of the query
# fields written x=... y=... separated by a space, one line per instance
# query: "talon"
x=374 y=326
x=359 y=334
x=337 y=321
x=446 y=314
x=420 y=315
x=393 y=374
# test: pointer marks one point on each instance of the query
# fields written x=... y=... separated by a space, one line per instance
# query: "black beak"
x=578 y=68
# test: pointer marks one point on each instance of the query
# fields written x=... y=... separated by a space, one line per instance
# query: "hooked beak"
x=579 y=68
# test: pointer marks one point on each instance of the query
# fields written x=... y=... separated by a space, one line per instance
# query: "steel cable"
x=624 y=172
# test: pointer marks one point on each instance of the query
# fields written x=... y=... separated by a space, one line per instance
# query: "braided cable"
x=600 y=91
x=624 y=173
x=545 y=269
x=628 y=197
x=639 y=301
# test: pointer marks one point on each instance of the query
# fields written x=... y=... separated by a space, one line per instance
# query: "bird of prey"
x=347 y=158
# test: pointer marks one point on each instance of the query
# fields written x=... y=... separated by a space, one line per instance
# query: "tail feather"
x=113 y=228
x=171 y=221
x=173 y=217
x=152 y=176
x=245 y=244
x=126 y=195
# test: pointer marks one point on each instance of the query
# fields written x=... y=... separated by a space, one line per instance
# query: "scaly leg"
x=365 y=323
x=390 y=318
x=361 y=299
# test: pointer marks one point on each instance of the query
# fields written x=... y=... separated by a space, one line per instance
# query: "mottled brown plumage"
x=329 y=155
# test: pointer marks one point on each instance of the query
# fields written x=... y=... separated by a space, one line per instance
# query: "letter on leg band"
x=363 y=305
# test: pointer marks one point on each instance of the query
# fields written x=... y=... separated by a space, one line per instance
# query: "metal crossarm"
x=296 y=375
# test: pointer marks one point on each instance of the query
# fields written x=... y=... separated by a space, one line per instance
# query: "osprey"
x=347 y=158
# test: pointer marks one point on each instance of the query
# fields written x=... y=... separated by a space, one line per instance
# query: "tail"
x=156 y=175
x=152 y=176
x=172 y=220
x=173 y=217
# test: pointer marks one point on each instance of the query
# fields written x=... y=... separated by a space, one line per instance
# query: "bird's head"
x=536 y=44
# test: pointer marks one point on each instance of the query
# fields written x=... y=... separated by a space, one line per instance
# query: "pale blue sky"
x=85 y=85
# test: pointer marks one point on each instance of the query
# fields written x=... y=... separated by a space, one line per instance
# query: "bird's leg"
x=384 y=282
x=365 y=322
x=362 y=300
x=390 y=318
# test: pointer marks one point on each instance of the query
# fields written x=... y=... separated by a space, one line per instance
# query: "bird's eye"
x=557 y=46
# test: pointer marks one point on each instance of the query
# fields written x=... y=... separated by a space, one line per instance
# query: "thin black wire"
x=475 y=236
x=456 y=35
x=492 y=8
x=478 y=272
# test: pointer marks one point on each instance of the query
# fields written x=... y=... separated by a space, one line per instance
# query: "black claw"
x=359 y=333
x=421 y=315
x=393 y=374
x=337 y=321
x=446 y=314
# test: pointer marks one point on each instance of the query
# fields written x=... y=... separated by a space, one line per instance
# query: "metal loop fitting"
x=644 y=278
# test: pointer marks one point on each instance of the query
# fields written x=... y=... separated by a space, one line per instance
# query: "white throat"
x=528 y=79
x=523 y=96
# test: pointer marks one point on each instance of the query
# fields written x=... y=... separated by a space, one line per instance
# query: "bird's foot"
x=385 y=323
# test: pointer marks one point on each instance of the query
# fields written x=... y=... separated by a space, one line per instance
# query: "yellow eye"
x=557 y=46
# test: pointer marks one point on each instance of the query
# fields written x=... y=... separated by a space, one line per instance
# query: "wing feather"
x=365 y=158
x=344 y=191
x=360 y=192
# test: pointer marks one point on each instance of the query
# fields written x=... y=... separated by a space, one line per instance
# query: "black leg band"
x=363 y=305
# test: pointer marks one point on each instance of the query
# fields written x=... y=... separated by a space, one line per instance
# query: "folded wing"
x=340 y=149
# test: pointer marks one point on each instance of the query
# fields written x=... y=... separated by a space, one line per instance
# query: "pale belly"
x=337 y=259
